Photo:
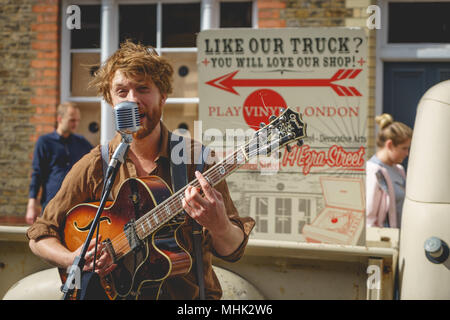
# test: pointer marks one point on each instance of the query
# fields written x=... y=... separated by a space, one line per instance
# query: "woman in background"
x=385 y=176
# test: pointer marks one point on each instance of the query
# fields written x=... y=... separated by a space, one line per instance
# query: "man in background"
x=54 y=155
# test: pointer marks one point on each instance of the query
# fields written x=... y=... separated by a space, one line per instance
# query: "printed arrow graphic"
x=228 y=82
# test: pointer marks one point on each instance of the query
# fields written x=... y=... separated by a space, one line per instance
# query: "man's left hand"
x=209 y=211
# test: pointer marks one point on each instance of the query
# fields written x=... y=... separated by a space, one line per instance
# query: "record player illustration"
x=342 y=220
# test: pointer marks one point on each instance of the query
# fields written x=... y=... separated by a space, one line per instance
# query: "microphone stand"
x=117 y=159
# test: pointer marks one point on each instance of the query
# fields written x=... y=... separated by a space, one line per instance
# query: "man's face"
x=145 y=94
x=69 y=122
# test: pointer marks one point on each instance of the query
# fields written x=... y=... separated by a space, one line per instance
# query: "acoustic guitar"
x=139 y=227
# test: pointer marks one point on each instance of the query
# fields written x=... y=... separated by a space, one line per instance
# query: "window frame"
x=66 y=51
x=295 y=214
x=391 y=52
x=66 y=54
x=283 y=217
x=262 y=216
x=209 y=18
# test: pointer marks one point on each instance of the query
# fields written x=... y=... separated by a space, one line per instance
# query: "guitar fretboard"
x=172 y=206
x=281 y=131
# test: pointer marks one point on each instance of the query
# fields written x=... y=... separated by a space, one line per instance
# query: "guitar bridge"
x=130 y=233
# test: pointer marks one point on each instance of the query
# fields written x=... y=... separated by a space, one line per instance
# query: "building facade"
x=51 y=48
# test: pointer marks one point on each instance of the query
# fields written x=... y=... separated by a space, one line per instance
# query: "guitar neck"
x=281 y=131
x=172 y=206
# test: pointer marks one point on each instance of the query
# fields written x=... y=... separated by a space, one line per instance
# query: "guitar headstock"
x=290 y=127
x=281 y=131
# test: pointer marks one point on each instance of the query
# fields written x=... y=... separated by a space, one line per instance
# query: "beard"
x=149 y=122
x=67 y=129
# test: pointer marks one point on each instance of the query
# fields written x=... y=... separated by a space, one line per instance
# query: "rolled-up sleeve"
x=246 y=224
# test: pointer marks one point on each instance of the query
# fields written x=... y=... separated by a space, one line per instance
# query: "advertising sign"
x=248 y=75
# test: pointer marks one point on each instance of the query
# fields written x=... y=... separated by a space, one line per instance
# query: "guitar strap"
x=179 y=180
x=104 y=148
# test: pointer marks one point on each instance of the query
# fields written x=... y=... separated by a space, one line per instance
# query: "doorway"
x=404 y=85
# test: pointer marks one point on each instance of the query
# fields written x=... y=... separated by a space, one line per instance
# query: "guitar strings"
x=214 y=175
x=120 y=243
x=177 y=198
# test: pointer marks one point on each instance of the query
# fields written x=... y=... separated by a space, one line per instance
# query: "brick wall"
x=270 y=13
x=45 y=65
x=29 y=87
x=326 y=13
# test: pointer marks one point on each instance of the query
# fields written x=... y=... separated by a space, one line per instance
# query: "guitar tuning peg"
x=262 y=124
x=288 y=148
x=272 y=117
x=299 y=143
x=282 y=118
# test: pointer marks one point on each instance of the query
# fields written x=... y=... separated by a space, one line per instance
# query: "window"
x=180 y=24
x=89 y=34
x=304 y=209
x=283 y=215
x=171 y=27
x=85 y=51
x=419 y=22
x=84 y=58
x=261 y=215
x=236 y=14
x=138 y=23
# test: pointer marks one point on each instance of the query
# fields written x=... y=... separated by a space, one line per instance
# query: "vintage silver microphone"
x=127 y=121
x=127 y=117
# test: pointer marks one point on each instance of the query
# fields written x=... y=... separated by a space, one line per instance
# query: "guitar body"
x=141 y=269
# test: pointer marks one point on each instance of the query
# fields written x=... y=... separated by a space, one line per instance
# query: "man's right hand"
x=54 y=252
x=33 y=211
x=103 y=264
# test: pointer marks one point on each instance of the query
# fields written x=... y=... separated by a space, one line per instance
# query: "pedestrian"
x=54 y=155
x=385 y=175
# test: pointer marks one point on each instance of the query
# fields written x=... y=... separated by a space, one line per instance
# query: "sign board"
x=247 y=75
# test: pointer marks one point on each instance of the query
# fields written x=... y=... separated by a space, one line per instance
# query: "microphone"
x=127 y=121
x=127 y=117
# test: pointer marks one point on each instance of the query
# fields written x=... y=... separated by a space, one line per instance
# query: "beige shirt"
x=84 y=184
